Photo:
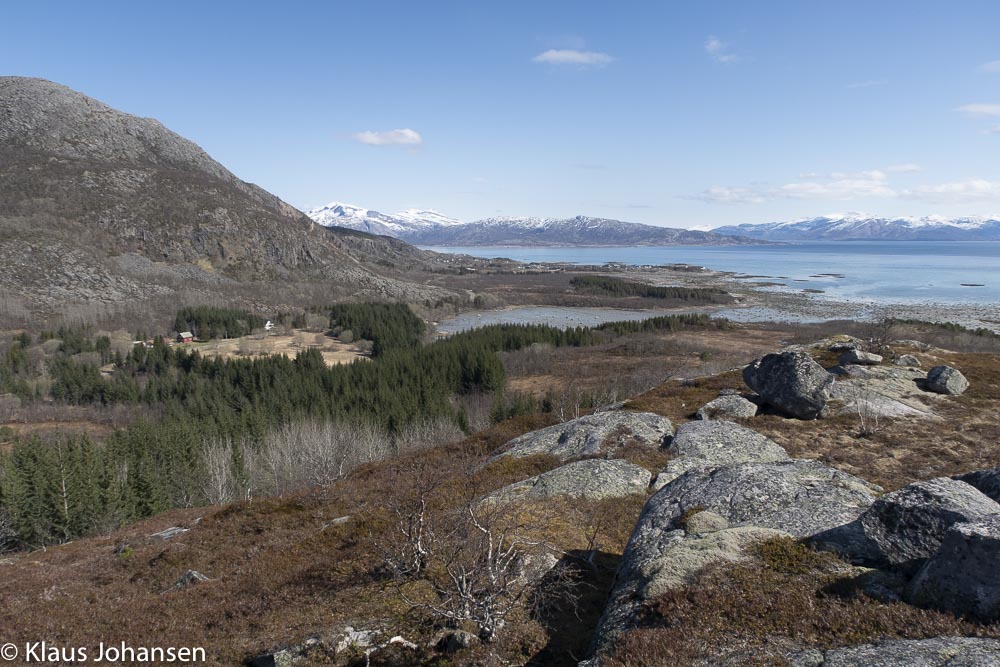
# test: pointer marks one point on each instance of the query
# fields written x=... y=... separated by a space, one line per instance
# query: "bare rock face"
x=715 y=443
x=946 y=380
x=727 y=407
x=859 y=358
x=593 y=479
x=883 y=391
x=987 y=481
x=936 y=652
x=907 y=526
x=592 y=435
x=747 y=502
x=790 y=381
x=962 y=576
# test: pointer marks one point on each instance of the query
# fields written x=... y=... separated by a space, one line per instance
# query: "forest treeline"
x=51 y=492
x=208 y=322
x=617 y=287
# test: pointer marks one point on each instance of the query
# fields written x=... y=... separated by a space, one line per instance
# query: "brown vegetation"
x=787 y=598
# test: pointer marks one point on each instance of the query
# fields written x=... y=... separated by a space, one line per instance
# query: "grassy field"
x=334 y=351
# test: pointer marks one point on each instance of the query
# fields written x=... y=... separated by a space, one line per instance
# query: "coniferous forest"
x=51 y=492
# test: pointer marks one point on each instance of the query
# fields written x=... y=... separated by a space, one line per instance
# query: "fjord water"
x=908 y=272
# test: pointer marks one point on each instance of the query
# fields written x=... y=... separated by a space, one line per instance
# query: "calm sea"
x=869 y=271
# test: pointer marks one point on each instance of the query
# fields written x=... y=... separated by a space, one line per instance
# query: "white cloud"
x=980 y=109
x=991 y=67
x=403 y=137
x=860 y=185
x=721 y=194
x=719 y=50
x=867 y=84
x=905 y=168
x=836 y=186
x=973 y=189
x=573 y=57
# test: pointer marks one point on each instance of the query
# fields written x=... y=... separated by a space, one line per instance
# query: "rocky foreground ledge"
x=727 y=492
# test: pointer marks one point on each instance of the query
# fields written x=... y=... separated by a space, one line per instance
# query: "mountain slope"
x=99 y=205
x=337 y=214
x=861 y=227
x=434 y=229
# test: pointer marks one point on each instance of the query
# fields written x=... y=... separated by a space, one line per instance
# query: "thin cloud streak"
x=401 y=137
x=719 y=51
x=573 y=57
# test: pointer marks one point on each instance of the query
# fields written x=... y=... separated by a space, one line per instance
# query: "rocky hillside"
x=859 y=227
x=825 y=505
x=97 y=205
x=430 y=228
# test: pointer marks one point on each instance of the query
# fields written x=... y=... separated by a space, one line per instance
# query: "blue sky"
x=687 y=114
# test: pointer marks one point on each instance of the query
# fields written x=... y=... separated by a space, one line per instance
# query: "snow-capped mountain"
x=338 y=214
x=858 y=226
x=426 y=227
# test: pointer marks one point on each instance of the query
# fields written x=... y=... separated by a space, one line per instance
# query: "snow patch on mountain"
x=860 y=226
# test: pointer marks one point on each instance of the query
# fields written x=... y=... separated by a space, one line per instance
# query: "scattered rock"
x=946 y=380
x=715 y=443
x=170 y=533
x=987 y=481
x=727 y=407
x=791 y=382
x=351 y=638
x=190 y=578
x=907 y=360
x=907 y=342
x=280 y=658
x=859 y=358
x=936 y=652
x=906 y=526
x=962 y=576
x=592 y=435
x=593 y=479
x=456 y=641
x=846 y=345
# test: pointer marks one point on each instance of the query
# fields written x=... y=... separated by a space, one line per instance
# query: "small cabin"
x=268 y=325
x=185 y=337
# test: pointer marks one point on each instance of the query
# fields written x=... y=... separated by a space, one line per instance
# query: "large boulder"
x=715 y=443
x=963 y=577
x=946 y=380
x=907 y=360
x=879 y=391
x=593 y=479
x=935 y=652
x=727 y=407
x=907 y=526
x=790 y=381
x=859 y=358
x=592 y=435
x=791 y=497
x=800 y=497
x=987 y=481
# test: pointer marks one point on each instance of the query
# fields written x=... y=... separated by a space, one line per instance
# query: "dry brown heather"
x=787 y=598
x=280 y=573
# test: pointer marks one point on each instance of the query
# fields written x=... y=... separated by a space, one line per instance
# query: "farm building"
x=185 y=337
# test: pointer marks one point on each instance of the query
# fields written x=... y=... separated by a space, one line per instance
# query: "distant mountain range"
x=431 y=228
x=855 y=227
